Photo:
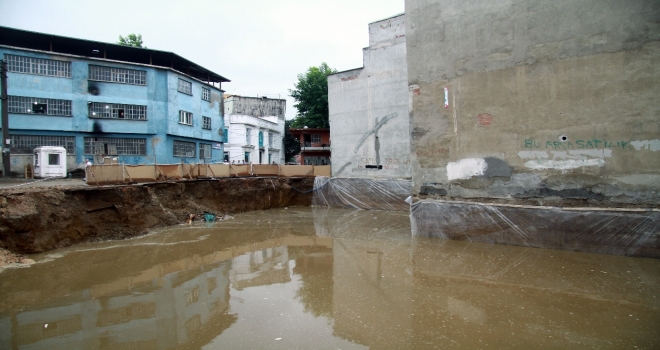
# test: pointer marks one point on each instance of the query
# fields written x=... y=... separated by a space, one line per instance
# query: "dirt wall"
x=38 y=220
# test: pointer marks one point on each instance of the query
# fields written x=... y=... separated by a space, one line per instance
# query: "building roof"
x=96 y=49
x=305 y=130
x=228 y=96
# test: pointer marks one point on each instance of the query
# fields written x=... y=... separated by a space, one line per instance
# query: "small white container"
x=49 y=161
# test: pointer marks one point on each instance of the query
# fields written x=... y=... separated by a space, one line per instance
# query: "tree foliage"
x=311 y=95
x=291 y=144
x=131 y=40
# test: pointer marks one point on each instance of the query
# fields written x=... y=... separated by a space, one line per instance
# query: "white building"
x=254 y=127
x=369 y=124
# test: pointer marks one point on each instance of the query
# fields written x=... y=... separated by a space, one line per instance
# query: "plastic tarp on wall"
x=362 y=193
x=618 y=232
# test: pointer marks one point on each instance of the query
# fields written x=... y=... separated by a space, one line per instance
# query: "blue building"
x=99 y=100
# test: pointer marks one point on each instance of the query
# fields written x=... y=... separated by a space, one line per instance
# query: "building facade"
x=254 y=130
x=100 y=100
x=314 y=146
x=369 y=108
x=536 y=103
x=545 y=114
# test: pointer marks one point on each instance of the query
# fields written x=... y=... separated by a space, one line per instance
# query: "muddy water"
x=312 y=278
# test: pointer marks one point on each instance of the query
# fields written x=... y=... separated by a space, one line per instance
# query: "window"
x=185 y=118
x=248 y=136
x=117 y=111
x=53 y=159
x=261 y=139
x=206 y=94
x=25 y=144
x=118 y=75
x=270 y=140
x=226 y=159
x=185 y=87
x=206 y=123
x=20 y=104
x=247 y=157
x=225 y=135
x=115 y=146
x=39 y=66
x=184 y=149
x=204 y=151
x=316 y=138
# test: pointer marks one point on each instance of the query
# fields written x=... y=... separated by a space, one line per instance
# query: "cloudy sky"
x=260 y=45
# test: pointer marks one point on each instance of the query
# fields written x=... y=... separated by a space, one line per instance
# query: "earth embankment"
x=40 y=219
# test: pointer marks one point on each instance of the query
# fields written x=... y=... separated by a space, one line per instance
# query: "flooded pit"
x=319 y=278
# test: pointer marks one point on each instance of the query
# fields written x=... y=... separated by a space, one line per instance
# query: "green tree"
x=291 y=144
x=131 y=40
x=311 y=95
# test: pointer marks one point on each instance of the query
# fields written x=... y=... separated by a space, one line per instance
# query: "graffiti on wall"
x=566 y=155
x=578 y=144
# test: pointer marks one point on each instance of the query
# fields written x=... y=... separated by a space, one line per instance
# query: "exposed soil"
x=7 y=257
x=39 y=219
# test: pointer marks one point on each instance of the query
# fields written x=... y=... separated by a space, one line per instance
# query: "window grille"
x=205 y=151
x=115 y=146
x=206 y=123
x=185 y=87
x=184 y=149
x=248 y=136
x=21 y=104
x=185 y=117
x=206 y=94
x=118 y=75
x=316 y=138
x=25 y=144
x=117 y=111
x=38 y=66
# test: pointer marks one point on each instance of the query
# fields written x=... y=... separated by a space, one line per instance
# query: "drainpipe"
x=4 y=113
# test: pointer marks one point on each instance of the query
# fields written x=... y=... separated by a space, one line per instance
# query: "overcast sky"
x=260 y=45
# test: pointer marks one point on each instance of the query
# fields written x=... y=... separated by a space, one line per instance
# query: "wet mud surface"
x=325 y=278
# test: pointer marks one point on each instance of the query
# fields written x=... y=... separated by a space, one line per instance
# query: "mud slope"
x=34 y=221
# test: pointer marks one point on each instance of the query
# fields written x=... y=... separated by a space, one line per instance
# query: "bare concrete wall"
x=255 y=106
x=369 y=109
x=535 y=101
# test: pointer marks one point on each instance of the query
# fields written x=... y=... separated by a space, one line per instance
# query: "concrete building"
x=536 y=104
x=98 y=99
x=314 y=146
x=254 y=129
x=369 y=108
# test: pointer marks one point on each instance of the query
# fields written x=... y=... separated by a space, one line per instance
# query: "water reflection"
x=325 y=278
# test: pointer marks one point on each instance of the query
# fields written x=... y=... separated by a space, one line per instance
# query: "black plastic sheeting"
x=362 y=193
x=617 y=232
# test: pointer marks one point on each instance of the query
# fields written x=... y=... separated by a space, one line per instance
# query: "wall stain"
x=374 y=130
x=342 y=169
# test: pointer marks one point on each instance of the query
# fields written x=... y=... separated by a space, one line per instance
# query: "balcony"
x=314 y=146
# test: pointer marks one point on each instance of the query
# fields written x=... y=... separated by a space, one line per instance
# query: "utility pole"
x=5 y=121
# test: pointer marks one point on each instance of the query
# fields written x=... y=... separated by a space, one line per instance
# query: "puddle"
x=325 y=278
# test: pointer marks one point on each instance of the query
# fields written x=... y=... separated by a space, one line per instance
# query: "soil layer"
x=39 y=219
